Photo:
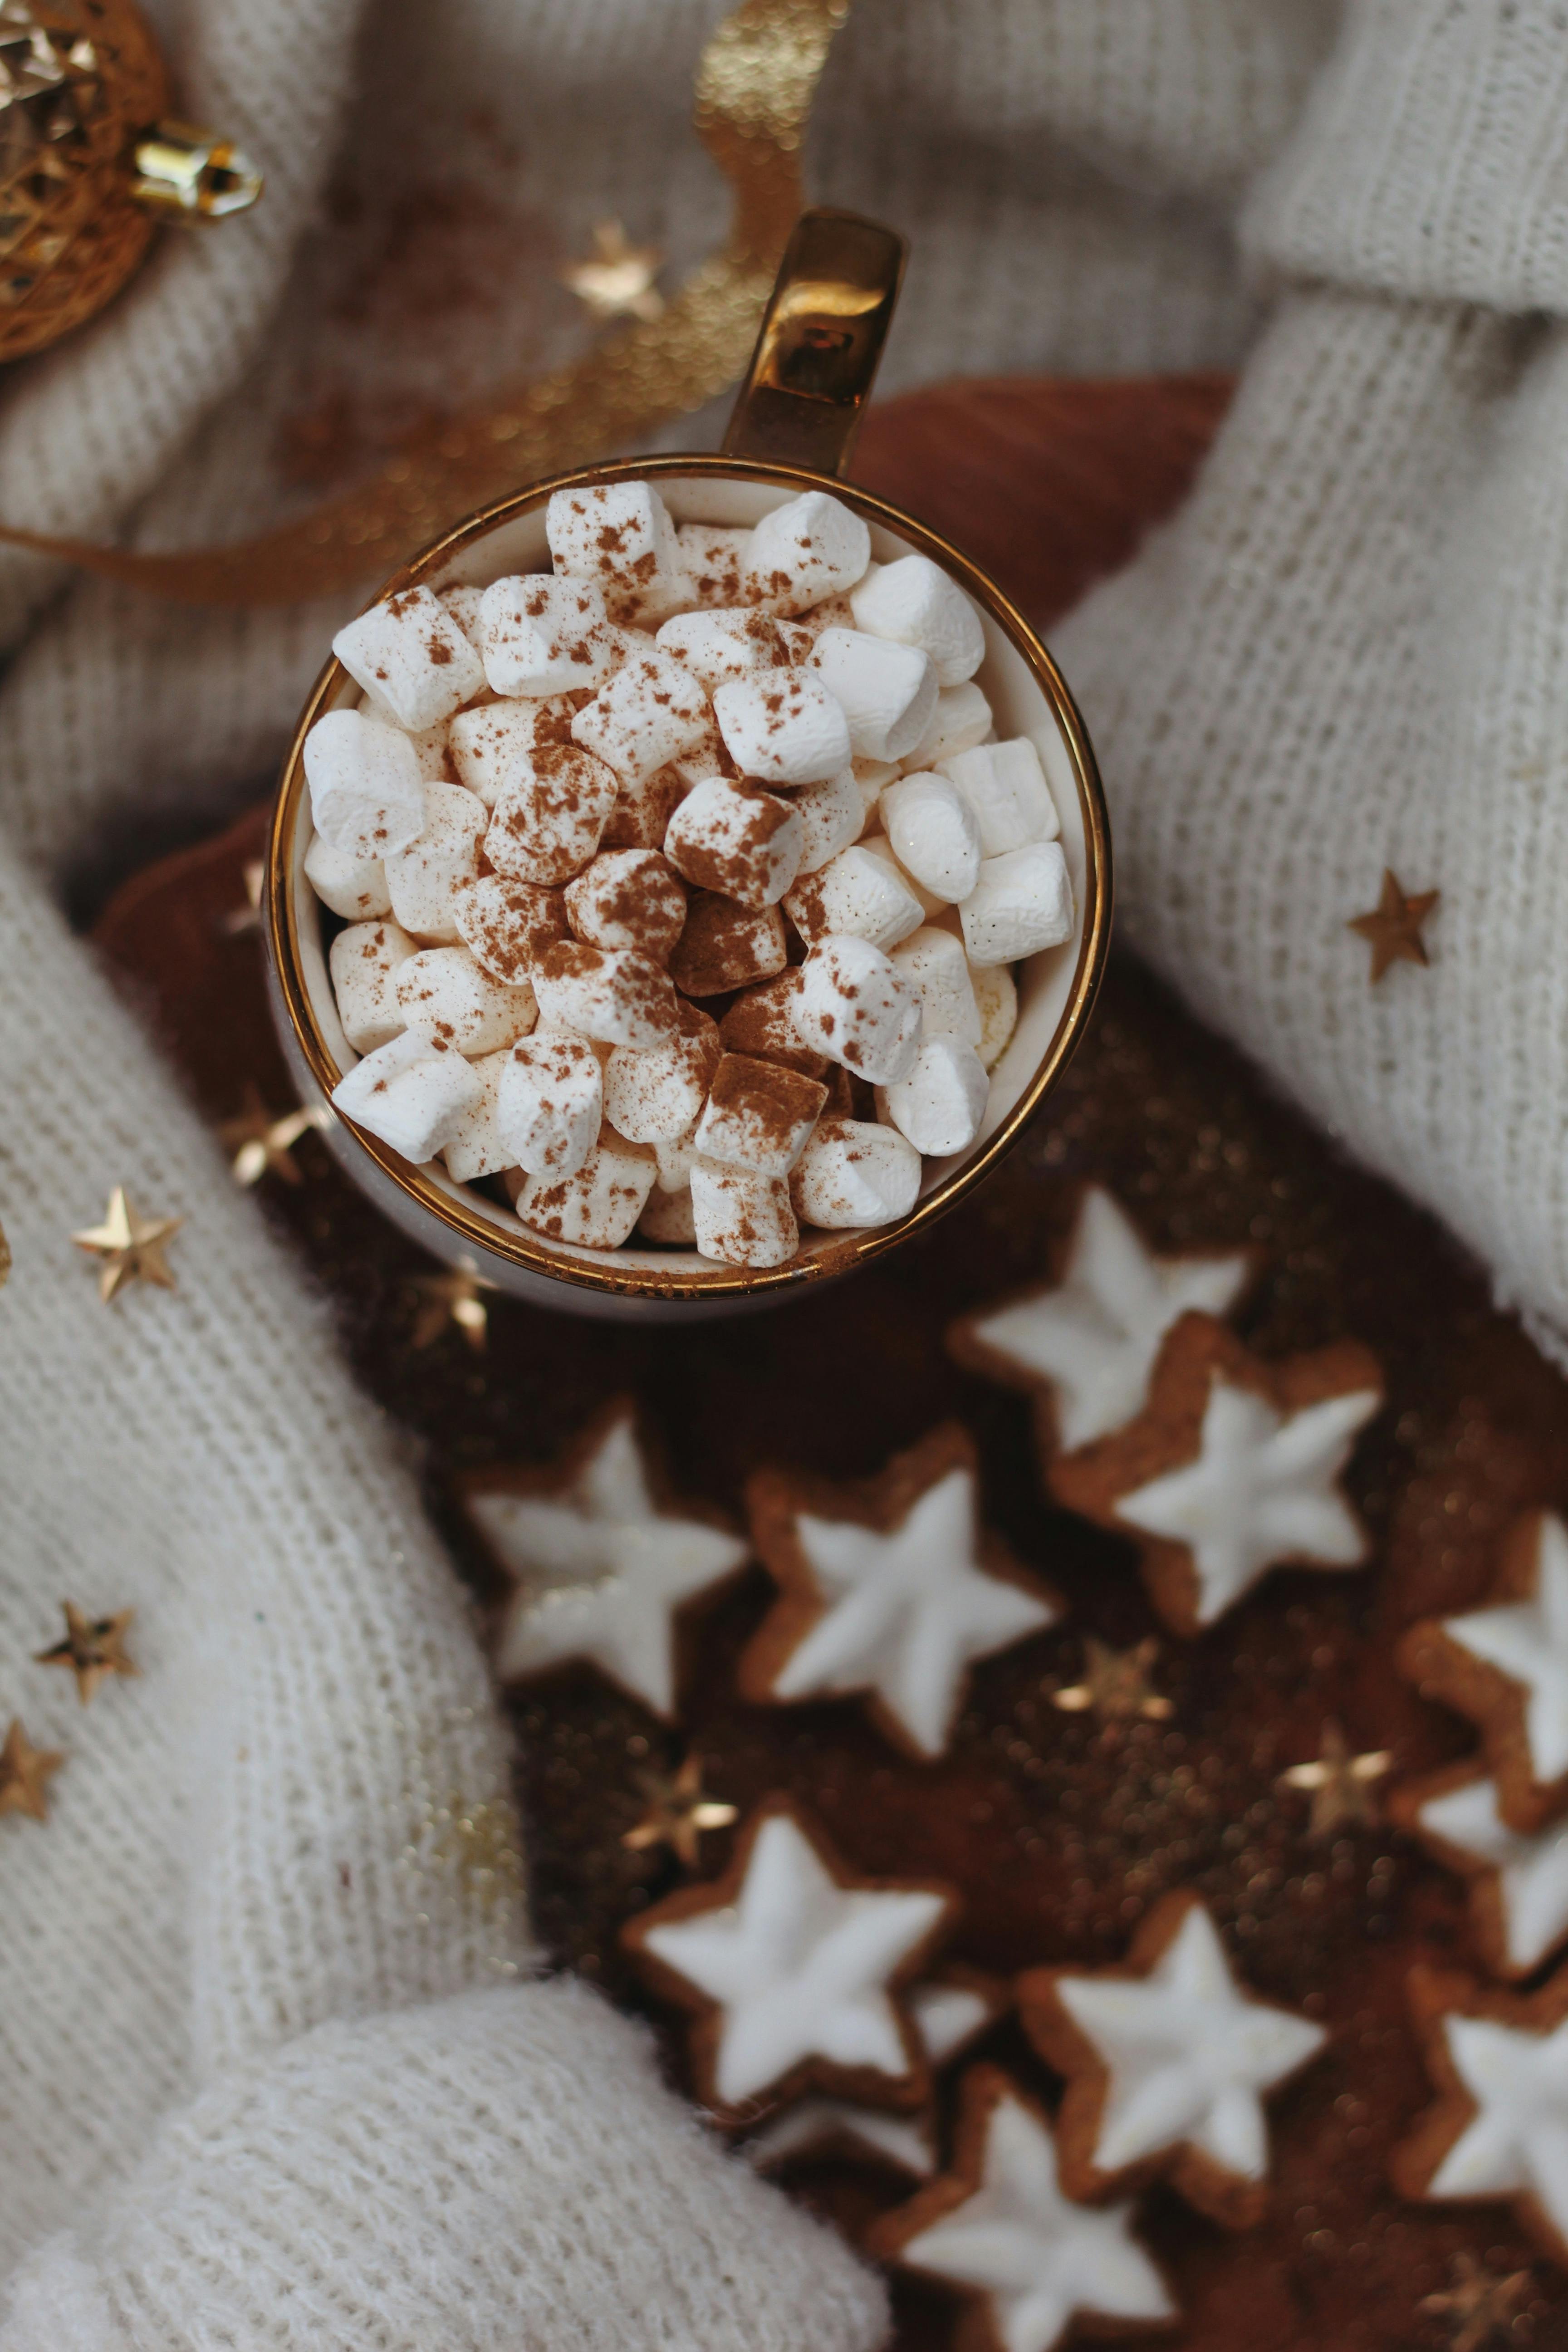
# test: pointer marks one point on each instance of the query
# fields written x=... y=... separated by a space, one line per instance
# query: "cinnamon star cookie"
x=1232 y=1468
x=1506 y=1667
x=1518 y=1883
x=795 y=1967
x=1084 y=1347
x=890 y=1587
x=1029 y=2260
x=1167 y=2062
x=1499 y=2128
x=600 y=1567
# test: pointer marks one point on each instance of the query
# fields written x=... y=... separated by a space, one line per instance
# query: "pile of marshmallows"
x=577 y=807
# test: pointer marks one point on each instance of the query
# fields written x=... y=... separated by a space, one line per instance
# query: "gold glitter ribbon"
x=755 y=83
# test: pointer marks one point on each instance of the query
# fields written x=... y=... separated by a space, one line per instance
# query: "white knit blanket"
x=272 y=2069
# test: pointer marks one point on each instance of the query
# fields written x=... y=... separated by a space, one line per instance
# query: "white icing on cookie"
x=601 y=1573
x=1518 y=2140
x=818 y=2123
x=798 y=1965
x=1528 y=1641
x=1096 y=1337
x=946 y=2016
x=1187 y=2055
x=1261 y=1490
x=1531 y=1872
x=908 y=1609
x=1038 y=2258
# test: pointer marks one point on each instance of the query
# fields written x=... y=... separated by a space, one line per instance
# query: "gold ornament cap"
x=186 y=174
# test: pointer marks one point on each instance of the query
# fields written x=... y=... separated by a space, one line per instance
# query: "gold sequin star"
x=1341 y=1785
x=616 y=281
x=249 y=917
x=1479 y=2305
x=259 y=1141
x=93 y=1648
x=444 y=1298
x=677 y=1813
x=131 y=1246
x=24 y=1772
x=1116 y=1685
x=1393 y=926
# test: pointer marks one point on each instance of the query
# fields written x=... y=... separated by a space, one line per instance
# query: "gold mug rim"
x=532 y=1252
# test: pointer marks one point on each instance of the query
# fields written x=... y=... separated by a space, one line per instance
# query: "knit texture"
x=273 y=2068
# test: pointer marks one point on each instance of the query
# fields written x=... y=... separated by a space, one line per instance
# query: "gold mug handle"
x=821 y=338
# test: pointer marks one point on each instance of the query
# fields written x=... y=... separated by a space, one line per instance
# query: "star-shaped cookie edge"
x=1486 y=1901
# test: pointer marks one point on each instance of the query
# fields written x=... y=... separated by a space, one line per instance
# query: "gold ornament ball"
x=87 y=166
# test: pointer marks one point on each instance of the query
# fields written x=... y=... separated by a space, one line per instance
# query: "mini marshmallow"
x=741 y=1217
x=801 y=636
x=486 y=743
x=541 y=636
x=350 y=886
x=463 y=602
x=726 y=946
x=856 y=891
x=831 y=817
x=431 y=745
x=729 y=644
x=475 y=1149
x=783 y=727
x=934 y=964
x=640 y=817
x=1005 y=786
x=448 y=998
x=628 y=899
x=712 y=555
x=877 y=844
x=422 y=878
x=597 y=1207
x=549 y=1103
x=941 y=1101
x=676 y=1160
x=935 y=835
x=410 y=652
x=888 y=691
x=655 y=1097
x=915 y=603
x=758 y=1114
x=410 y=1095
x=549 y=820
x=612 y=993
x=620 y=535
x=506 y=926
x=858 y=1008
x=962 y=718
x=366 y=798
x=761 y=1021
x=364 y=961
x=666 y=1217
x=645 y=716
x=997 y=1001
x=810 y=546
x=872 y=777
x=1022 y=903
x=853 y=1172
x=737 y=839
x=706 y=758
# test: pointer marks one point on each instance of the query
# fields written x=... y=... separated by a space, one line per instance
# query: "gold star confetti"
x=1341 y=1785
x=443 y=1298
x=1394 y=927
x=249 y=917
x=93 y=1648
x=1116 y=1685
x=616 y=281
x=1479 y=2305
x=24 y=1772
x=131 y=1246
x=259 y=1141
x=677 y=1813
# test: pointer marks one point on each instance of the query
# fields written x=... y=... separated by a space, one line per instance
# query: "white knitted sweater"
x=272 y=2069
